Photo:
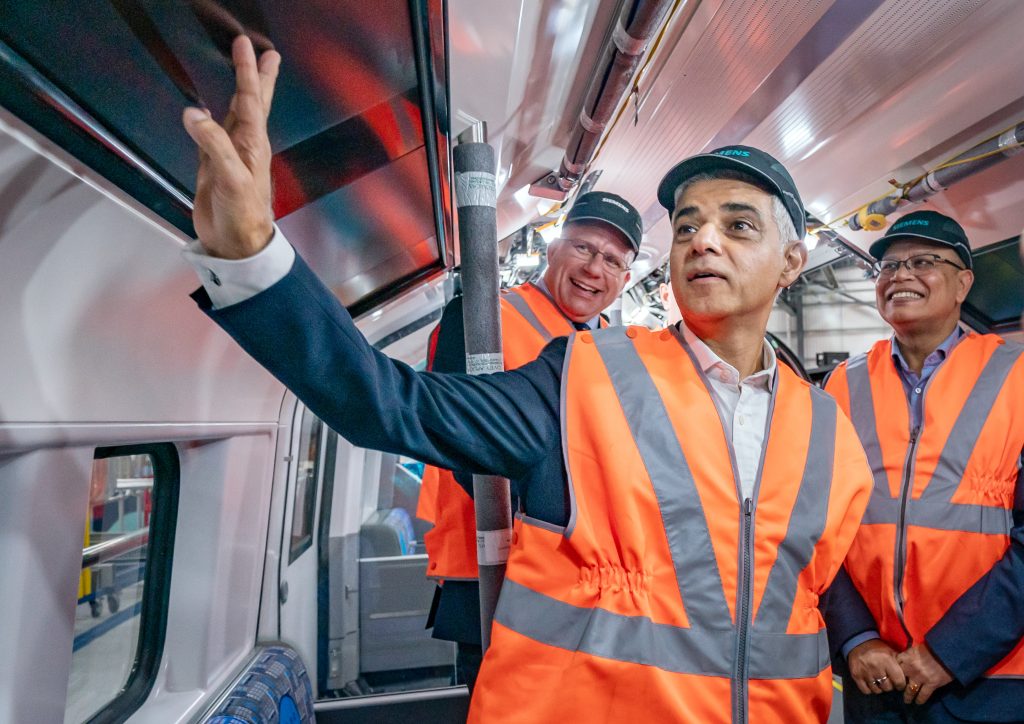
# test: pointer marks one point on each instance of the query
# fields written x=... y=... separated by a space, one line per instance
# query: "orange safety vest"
x=667 y=598
x=942 y=505
x=529 y=320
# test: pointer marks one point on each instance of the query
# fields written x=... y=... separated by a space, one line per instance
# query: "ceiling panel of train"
x=849 y=94
x=360 y=116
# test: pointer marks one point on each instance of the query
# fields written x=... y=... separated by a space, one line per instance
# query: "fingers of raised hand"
x=215 y=146
x=270 y=63
x=254 y=82
x=248 y=102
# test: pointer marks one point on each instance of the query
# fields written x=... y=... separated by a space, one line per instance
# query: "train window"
x=128 y=537
x=308 y=469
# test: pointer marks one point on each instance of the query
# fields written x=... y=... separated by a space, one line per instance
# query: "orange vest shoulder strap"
x=539 y=311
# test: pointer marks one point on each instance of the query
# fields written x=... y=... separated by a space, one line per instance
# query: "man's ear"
x=964 y=282
x=795 y=257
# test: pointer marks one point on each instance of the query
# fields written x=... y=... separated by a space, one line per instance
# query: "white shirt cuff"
x=230 y=281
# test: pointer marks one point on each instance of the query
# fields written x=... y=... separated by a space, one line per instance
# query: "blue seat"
x=275 y=689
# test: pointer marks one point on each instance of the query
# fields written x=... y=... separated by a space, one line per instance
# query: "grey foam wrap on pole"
x=475 y=197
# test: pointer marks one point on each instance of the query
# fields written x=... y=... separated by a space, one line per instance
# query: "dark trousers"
x=888 y=708
x=468 y=658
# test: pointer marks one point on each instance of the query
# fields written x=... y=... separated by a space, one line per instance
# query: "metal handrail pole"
x=475 y=197
x=103 y=552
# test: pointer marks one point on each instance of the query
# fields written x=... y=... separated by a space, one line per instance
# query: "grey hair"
x=784 y=224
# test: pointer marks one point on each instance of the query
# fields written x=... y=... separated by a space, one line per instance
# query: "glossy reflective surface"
x=351 y=169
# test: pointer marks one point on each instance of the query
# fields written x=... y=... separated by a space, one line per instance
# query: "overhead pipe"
x=475 y=197
x=977 y=158
x=613 y=77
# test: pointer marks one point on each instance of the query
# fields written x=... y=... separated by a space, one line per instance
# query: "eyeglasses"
x=917 y=265
x=586 y=251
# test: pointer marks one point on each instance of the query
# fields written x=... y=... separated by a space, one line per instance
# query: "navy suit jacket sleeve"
x=845 y=614
x=500 y=424
x=987 y=622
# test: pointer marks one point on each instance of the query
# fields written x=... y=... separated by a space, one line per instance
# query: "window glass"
x=111 y=587
x=307 y=470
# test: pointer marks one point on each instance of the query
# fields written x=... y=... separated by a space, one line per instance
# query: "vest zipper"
x=901 y=527
x=741 y=671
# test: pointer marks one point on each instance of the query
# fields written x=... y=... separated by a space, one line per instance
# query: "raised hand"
x=874 y=668
x=233 y=215
x=924 y=674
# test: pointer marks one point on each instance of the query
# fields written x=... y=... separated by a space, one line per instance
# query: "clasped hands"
x=877 y=667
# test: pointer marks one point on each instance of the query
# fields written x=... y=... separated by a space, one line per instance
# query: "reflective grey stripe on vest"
x=807 y=519
x=519 y=303
x=682 y=514
x=638 y=640
x=949 y=470
x=862 y=414
x=934 y=509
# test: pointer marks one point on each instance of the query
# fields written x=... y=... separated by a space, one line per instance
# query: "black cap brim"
x=879 y=248
x=604 y=220
x=706 y=162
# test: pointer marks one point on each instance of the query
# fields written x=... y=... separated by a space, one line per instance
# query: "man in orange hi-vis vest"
x=587 y=267
x=939 y=559
x=685 y=499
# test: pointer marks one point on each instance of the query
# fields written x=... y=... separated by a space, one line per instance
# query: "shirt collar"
x=938 y=354
x=594 y=323
x=714 y=366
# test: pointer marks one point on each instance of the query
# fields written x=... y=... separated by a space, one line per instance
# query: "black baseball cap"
x=611 y=209
x=751 y=160
x=930 y=226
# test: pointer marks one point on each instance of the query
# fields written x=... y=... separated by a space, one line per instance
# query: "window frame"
x=156 y=582
x=298 y=546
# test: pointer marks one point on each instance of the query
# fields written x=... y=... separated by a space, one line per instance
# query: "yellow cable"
x=951 y=164
x=639 y=76
x=902 y=188
x=844 y=218
x=622 y=108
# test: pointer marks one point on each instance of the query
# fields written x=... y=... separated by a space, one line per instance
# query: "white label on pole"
x=485 y=363
x=492 y=546
x=474 y=188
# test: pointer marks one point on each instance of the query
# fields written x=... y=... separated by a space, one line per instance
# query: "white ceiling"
x=848 y=94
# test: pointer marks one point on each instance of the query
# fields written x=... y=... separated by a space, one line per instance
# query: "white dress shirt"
x=742 y=404
x=230 y=281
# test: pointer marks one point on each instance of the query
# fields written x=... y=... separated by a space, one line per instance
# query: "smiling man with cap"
x=588 y=265
x=938 y=561
x=685 y=500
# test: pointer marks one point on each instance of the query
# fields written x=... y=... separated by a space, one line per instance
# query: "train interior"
x=176 y=529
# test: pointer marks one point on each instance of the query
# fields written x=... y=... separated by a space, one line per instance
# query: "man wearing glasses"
x=939 y=558
x=588 y=265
